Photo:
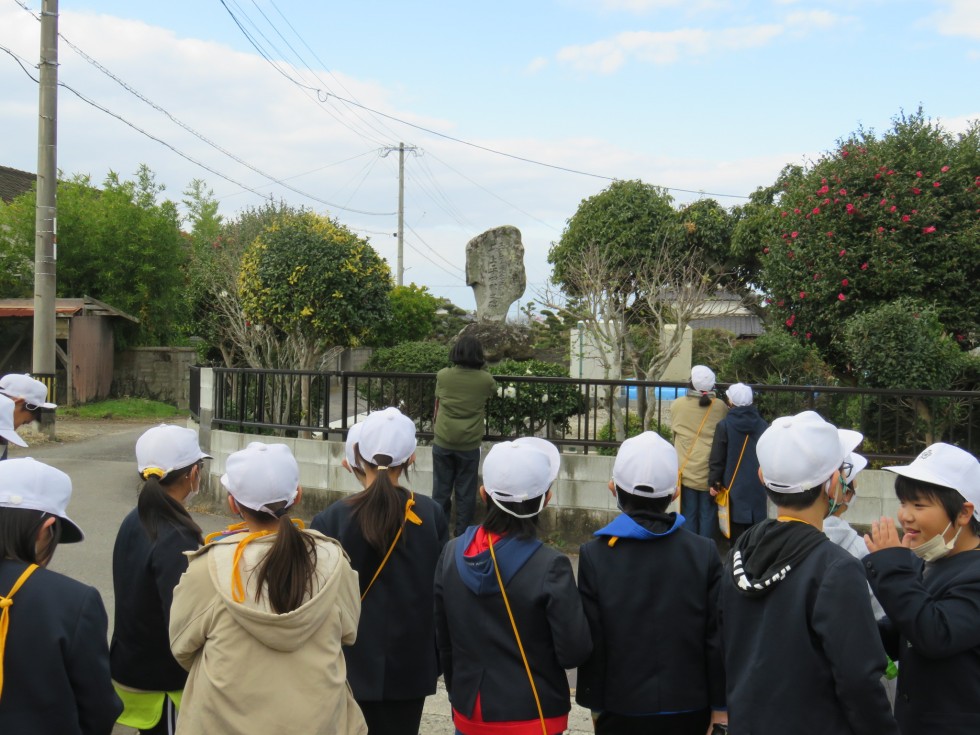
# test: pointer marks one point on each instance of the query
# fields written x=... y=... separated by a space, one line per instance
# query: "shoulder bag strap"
x=517 y=637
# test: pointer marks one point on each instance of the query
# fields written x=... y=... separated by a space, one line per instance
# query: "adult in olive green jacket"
x=460 y=424
x=693 y=419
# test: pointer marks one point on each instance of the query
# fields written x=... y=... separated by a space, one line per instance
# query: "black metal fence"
x=897 y=424
x=194 y=392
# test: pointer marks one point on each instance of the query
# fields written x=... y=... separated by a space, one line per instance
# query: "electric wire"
x=208 y=141
x=434 y=252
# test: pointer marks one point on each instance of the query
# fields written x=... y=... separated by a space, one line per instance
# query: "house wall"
x=90 y=347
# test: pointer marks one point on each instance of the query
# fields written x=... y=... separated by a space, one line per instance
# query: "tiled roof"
x=13 y=182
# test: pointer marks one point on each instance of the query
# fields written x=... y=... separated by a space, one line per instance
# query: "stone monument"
x=495 y=272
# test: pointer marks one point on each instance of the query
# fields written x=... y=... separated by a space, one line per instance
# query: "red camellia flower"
x=830 y=234
x=892 y=208
x=823 y=189
x=883 y=202
x=905 y=218
x=843 y=192
x=927 y=230
x=918 y=174
x=793 y=234
x=845 y=153
x=842 y=253
x=935 y=183
x=796 y=211
x=785 y=213
x=850 y=208
x=944 y=169
x=827 y=200
x=841 y=297
x=809 y=334
x=765 y=250
x=816 y=210
x=916 y=191
x=881 y=229
x=844 y=283
x=890 y=171
x=789 y=322
x=802 y=294
x=864 y=266
x=877 y=176
x=780 y=303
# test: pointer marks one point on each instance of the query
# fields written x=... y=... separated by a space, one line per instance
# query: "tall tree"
x=877 y=219
x=119 y=243
x=313 y=279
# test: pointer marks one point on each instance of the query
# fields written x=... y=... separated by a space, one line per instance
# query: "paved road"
x=105 y=484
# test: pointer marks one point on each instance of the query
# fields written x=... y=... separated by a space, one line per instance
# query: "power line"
x=326 y=93
x=208 y=141
x=434 y=252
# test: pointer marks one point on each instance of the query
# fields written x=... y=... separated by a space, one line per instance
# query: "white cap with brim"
x=947 y=466
x=32 y=485
x=7 y=430
x=739 y=394
x=353 y=436
x=803 y=451
x=858 y=462
x=702 y=378
x=33 y=391
x=166 y=448
x=261 y=475
x=646 y=461
x=519 y=470
x=388 y=433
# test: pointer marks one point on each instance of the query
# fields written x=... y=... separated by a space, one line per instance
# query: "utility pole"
x=46 y=216
x=400 y=270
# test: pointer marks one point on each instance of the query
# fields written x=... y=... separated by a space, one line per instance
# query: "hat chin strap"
x=509 y=512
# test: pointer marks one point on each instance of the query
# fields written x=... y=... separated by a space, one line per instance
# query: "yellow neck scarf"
x=5 y=604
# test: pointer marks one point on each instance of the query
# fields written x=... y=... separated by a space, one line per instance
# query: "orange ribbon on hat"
x=5 y=604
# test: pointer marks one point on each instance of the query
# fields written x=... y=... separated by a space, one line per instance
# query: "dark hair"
x=18 y=533
x=468 y=352
x=500 y=522
x=379 y=509
x=795 y=501
x=287 y=570
x=908 y=490
x=637 y=503
x=157 y=508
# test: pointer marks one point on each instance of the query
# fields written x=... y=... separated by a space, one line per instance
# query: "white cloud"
x=815 y=20
x=538 y=64
x=663 y=47
x=958 y=18
x=959 y=123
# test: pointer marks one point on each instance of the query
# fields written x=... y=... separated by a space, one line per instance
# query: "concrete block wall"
x=160 y=373
x=581 y=503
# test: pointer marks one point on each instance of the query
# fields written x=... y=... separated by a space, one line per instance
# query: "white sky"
x=700 y=95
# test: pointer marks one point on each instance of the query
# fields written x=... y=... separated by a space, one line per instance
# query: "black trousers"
x=684 y=723
x=393 y=716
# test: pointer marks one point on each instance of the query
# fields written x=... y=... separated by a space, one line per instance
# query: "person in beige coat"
x=693 y=419
x=261 y=614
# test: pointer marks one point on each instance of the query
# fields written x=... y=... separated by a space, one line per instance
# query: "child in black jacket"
x=650 y=592
x=931 y=595
x=509 y=620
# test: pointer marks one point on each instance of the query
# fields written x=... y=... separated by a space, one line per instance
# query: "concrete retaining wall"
x=581 y=503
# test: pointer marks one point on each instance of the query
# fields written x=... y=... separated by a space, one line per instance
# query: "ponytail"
x=156 y=508
x=705 y=399
x=287 y=570
x=379 y=510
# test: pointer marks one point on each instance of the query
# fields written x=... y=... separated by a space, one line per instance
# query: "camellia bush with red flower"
x=874 y=221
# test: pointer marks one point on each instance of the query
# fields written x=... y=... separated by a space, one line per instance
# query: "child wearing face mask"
x=147 y=561
x=932 y=595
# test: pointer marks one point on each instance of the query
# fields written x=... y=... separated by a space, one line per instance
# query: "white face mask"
x=936 y=548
